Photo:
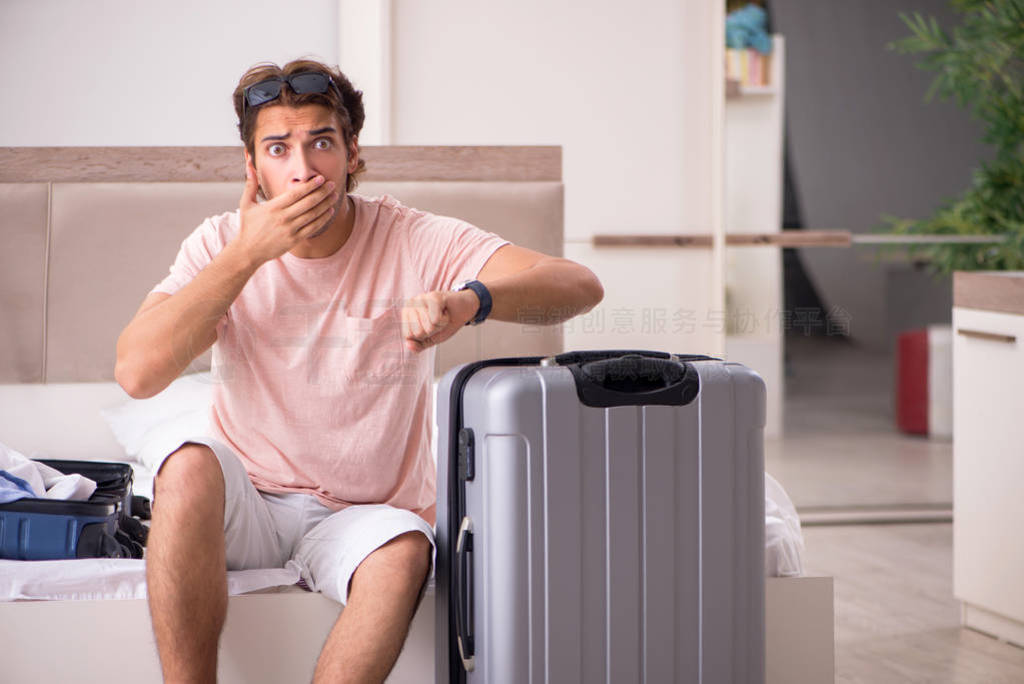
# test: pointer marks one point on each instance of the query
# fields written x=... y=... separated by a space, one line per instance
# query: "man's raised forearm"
x=164 y=339
x=551 y=291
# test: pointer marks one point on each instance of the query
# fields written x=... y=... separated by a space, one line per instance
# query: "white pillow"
x=784 y=540
x=147 y=428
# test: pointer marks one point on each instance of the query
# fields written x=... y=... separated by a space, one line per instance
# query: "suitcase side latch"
x=467 y=461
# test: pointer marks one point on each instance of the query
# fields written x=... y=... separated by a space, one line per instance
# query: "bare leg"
x=185 y=567
x=368 y=636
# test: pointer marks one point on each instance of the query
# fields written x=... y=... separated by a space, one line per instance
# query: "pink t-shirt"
x=314 y=387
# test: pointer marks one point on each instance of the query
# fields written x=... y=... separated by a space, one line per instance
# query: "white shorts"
x=265 y=530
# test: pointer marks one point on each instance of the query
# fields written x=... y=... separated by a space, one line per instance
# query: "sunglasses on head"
x=301 y=83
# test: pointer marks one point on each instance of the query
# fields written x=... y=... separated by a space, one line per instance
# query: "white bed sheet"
x=111 y=578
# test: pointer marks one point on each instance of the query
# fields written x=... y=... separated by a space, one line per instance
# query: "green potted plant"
x=979 y=64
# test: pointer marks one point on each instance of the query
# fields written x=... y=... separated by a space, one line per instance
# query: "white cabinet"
x=988 y=470
x=753 y=204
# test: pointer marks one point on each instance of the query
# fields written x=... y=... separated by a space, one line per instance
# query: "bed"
x=88 y=232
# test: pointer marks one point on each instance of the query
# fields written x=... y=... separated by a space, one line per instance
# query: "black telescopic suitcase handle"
x=567 y=358
x=632 y=378
x=464 y=594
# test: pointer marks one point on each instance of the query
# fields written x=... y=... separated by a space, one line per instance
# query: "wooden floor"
x=896 y=617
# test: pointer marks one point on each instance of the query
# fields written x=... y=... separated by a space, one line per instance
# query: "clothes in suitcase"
x=101 y=527
x=600 y=518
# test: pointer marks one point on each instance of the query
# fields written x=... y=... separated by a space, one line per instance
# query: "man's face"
x=294 y=144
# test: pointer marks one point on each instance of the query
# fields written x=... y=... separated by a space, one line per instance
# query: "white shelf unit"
x=747 y=91
x=753 y=204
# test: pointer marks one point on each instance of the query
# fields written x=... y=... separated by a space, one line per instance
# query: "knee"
x=406 y=558
x=411 y=550
x=192 y=472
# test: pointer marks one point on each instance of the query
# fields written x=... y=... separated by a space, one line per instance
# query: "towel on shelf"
x=747 y=28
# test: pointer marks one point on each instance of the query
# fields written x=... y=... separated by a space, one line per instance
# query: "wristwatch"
x=482 y=293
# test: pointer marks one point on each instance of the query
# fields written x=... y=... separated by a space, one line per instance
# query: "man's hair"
x=348 y=108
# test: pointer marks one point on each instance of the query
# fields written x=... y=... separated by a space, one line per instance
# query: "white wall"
x=123 y=72
x=613 y=87
x=627 y=93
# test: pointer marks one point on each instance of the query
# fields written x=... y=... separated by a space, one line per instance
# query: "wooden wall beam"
x=785 y=238
x=212 y=164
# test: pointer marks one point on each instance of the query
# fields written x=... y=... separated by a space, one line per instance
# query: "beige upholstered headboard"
x=89 y=231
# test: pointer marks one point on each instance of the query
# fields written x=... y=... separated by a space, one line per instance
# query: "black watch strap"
x=485 y=301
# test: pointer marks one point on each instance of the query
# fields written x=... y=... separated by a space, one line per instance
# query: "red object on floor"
x=912 y=382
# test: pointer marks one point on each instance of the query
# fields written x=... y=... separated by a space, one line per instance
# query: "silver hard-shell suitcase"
x=600 y=518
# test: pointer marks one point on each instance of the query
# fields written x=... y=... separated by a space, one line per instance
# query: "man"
x=321 y=307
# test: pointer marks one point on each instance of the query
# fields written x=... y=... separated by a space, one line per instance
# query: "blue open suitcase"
x=600 y=518
x=48 y=529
